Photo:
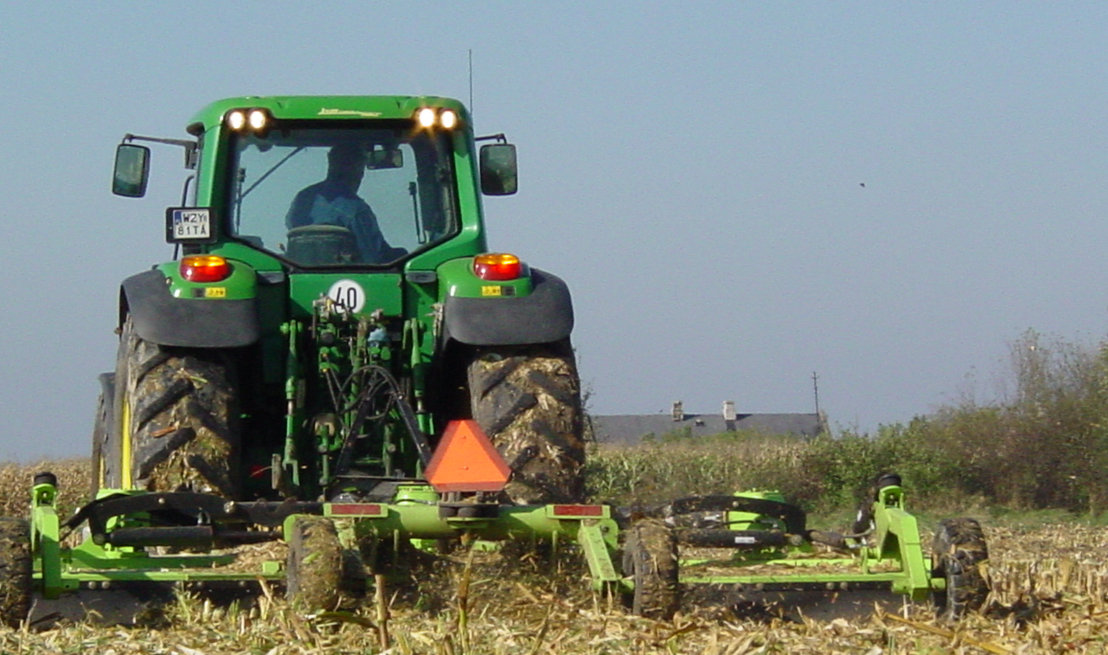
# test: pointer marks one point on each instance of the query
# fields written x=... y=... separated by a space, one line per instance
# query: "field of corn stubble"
x=1049 y=595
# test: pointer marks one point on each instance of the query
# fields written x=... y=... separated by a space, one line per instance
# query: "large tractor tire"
x=958 y=553
x=175 y=420
x=15 y=571
x=315 y=564
x=650 y=560
x=101 y=432
x=527 y=399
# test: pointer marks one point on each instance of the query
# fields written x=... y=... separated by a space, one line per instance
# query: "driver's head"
x=346 y=162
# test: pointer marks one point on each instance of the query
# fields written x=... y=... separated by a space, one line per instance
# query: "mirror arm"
x=499 y=138
x=191 y=147
x=185 y=192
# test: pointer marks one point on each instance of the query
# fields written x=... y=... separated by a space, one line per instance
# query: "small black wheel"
x=15 y=571
x=958 y=553
x=315 y=563
x=650 y=560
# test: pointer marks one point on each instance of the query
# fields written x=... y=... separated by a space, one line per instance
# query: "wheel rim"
x=124 y=445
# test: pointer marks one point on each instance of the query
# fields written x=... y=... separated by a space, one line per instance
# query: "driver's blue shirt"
x=332 y=203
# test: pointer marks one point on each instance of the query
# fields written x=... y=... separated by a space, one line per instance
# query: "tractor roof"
x=324 y=107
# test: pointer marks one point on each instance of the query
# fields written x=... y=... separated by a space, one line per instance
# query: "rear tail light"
x=497 y=266
x=205 y=268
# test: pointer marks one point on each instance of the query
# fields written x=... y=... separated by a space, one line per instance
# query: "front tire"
x=175 y=421
x=527 y=399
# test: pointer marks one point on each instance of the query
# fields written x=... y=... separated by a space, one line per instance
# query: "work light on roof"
x=426 y=117
x=257 y=119
x=236 y=120
x=448 y=119
x=429 y=117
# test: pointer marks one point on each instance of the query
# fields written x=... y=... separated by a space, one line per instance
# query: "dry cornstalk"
x=943 y=632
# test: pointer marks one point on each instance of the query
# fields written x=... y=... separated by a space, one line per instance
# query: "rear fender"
x=538 y=312
x=170 y=311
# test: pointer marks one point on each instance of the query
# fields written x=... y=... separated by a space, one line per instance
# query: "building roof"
x=630 y=429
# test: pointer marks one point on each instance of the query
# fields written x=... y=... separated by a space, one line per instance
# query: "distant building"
x=631 y=429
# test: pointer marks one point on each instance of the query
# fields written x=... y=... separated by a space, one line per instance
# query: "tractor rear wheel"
x=527 y=399
x=315 y=563
x=15 y=571
x=957 y=554
x=175 y=423
x=650 y=560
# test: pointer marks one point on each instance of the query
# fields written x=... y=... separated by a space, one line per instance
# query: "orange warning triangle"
x=465 y=460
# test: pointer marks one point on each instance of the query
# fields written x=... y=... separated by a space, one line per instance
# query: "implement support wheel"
x=650 y=560
x=958 y=554
x=315 y=563
x=15 y=571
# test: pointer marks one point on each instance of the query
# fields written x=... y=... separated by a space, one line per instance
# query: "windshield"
x=340 y=196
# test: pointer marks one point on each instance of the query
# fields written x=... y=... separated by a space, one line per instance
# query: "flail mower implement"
x=650 y=557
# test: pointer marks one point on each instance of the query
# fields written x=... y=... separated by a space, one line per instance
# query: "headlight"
x=236 y=120
x=429 y=117
x=257 y=120
x=426 y=117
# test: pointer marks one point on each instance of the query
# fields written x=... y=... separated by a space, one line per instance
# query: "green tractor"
x=333 y=306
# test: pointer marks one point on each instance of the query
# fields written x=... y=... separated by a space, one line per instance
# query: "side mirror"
x=499 y=176
x=132 y=170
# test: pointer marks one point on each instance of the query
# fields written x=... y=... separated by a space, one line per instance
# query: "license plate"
x=190 y=224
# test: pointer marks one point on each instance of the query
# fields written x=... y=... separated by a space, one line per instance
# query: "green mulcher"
x=756 y=543
x=335 y=360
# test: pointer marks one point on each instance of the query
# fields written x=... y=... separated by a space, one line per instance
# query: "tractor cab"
x=321 y=187
x=331 y=264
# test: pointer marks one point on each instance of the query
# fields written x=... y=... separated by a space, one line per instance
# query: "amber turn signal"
x=497 y=266
x=205 y=268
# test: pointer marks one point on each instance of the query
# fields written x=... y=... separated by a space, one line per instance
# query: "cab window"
x=326 y=197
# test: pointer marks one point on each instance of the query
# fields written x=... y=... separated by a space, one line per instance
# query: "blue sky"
x=738 y=194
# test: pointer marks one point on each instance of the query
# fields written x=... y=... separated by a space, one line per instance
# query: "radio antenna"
x=471 y=81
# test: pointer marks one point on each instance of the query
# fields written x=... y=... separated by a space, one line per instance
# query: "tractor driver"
x=335 y=201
